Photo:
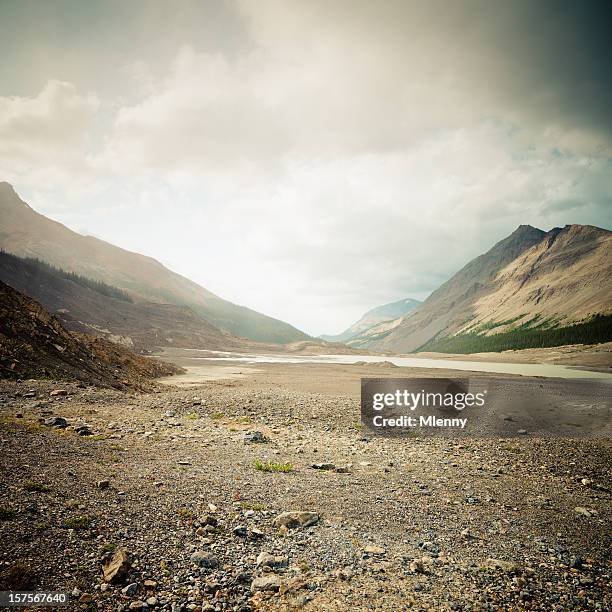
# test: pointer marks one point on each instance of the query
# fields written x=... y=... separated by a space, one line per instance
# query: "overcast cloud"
x=309 y=159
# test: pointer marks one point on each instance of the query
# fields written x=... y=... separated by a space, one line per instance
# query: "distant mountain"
x=33 y=344
x=357 y=334
x=101 y=310
x=530 y=280
x=27 y=233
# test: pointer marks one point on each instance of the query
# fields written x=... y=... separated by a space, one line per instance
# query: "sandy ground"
x=171 y=477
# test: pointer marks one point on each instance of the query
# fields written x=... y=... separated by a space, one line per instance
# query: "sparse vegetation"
x=36 y=486
x=82 y=521
x=595 y=330
x=95 y=285
x=253 y=506
x=272 y=466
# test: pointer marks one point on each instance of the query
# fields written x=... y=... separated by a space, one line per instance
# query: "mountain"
x=33 y=343
x=27 y=233
x=96 y=308
x=357 y=332
x=530 y=280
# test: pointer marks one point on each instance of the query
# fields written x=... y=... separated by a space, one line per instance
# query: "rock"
x=583 y=511
x=417 y=566
x=241 y=531
x=269 y=582
x=265 y=559
x=522 y=432
x=295 y=519
x=58 y=392
x=256 y=534
x=85 y=598
x=116 y=568
x=323 y=466
x=576 y=563
x=150 y=584
x=83 y=430
x=255 y=436
x=208 y=519
x=76 y=593
x=374 y=550
x=138 y=605
x=506 y=566
x=342 y=469
x=152 y=601
x=103 y=484
x=204 y=559
x=56 y=421
x=130 y=589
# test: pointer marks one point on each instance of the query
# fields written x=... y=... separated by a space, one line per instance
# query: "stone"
x=269 y=582
x=152 y=601
x=130 y=589
x=255 y=436
x=58 y=392
x=150 y=584
x=208 y=519
x=241 y=531
x=256 y=534
x=265 y=559
x=582 y=511
x=103 y=484
x=295 y=519
x=374 y=550
x=417 y=566
x=506 y=566
x=323 y=466
x=204 y=559
x=56 y=421
x=85 y=598
x=138 y=605
x=83 y=430
x=116 y=568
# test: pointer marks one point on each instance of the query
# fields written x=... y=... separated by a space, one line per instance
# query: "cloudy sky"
x=310 y=159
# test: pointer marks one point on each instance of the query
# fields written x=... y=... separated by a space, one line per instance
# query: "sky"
x=309 y=159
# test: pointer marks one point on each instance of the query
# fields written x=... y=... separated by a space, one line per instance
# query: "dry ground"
x=427 y=524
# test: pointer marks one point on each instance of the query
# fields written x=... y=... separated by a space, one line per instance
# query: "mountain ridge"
x=27 y=233
x=561 y=275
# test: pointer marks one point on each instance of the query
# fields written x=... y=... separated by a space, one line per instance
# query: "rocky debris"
x=256 y=437
x=103 y=484
x=58 y=392
x=204 y=559
x=269 y=582
x=56 y=421
x=296 y=519
x=116 y=567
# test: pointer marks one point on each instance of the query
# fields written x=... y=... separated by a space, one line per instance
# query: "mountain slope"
x=372 y=318
x=33 y=343
x=531 y=278
x=27 y=233
x=142 y=325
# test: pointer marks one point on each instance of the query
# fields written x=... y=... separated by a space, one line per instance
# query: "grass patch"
x=185 y=513
x=217 y=415
x=82 y=521
x=193 y=416
x=273 y=466
x=253 y=506
x=109 y=546
x=36 y=486
x=42 y=526
x=244 y=420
